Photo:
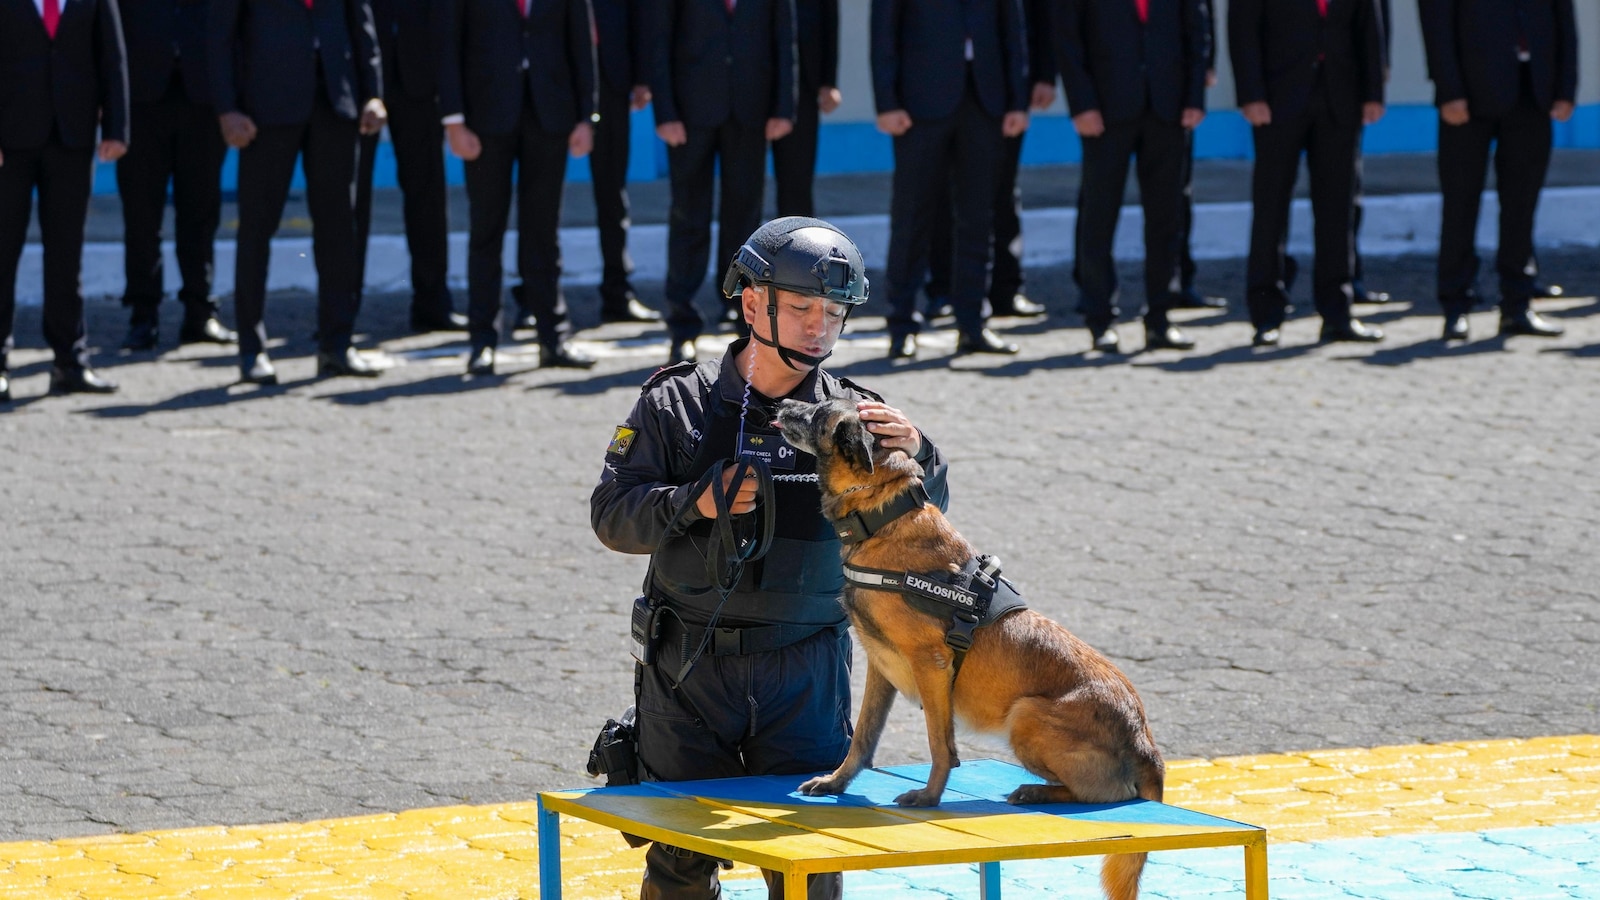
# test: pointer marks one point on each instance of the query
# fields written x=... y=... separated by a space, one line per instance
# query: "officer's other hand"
x=1455 y=112
x=738 y=503
x=1014 y=124
x=672 y=134
x=1561 y=110
x=1192 y=117
x=1089 y=123
x=111 y=151
x=237 y=129
x=373 y=116
x=895 y=122
x=581 y=141
x=828 y=98
x=778 y=129
x=1044 y=94
x=1371 y=113
x=1257 y=113
x=640 y=98
x=463 y=142
x=2 y=158
x=890 y=426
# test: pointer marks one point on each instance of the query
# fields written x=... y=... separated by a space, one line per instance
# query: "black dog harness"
x=971 y=598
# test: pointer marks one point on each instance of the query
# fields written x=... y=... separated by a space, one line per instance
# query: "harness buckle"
x=959 y=637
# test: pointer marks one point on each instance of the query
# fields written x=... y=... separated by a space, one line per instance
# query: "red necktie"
x=730 y=4
x=308 y=4
x=522 y=6
x=1144 y=11
x=1322 y=8
x=52 y=17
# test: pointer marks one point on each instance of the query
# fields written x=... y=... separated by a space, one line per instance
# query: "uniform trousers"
x=1521 y=140
x=63 y=176
x=780 y=712
x=741 y=152
x=329 y=146
x=539 y=159
x=178 y=142
x=608 y=170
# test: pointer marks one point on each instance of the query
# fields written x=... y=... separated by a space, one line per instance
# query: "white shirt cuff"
x=456 y=119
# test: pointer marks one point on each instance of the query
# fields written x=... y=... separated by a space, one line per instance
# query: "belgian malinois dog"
x=1070 y=716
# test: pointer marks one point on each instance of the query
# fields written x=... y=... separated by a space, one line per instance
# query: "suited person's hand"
x=1371 y=113
x=1192 y=117
x=1561 y=110
x=1014 y=124
x=639 y=98
x=111 y=151
x=1455 y=112
x=895 y=122
x=778 y=129
x=1211 y=78
x=1043 y=95
x=2 y=157
x=581 y=141
x=373 y=116
x=828 y=99
x=237 y=129
x=1089 y=123
x=672 y=134
x=1257 y=113
x=463 y=142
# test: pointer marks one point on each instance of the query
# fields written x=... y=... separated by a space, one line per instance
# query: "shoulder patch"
x=861 y=390
x=621 y=442
x=666 y=372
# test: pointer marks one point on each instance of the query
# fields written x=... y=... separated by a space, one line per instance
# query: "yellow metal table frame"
x=765 y=822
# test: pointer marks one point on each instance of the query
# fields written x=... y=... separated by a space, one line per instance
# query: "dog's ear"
x=853 y=442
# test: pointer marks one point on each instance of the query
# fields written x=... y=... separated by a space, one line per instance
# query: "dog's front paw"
x=1034 y=794
x=824 y=785
x=922 y=797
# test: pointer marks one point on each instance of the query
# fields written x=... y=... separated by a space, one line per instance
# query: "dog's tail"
x=1119 y=874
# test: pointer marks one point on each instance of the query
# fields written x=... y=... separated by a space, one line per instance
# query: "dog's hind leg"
x=876 y=701
x=1067 y=743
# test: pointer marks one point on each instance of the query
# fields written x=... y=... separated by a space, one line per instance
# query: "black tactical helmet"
x=800 y=254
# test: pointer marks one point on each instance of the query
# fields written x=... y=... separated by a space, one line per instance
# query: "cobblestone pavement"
x=225 y=606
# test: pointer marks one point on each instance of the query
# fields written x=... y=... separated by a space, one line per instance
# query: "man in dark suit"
x=1135 y=78
x=950 y=81
x=794 y=159
x=1501 y=70
x=619 y=27
x=1182 y=290
x=297 y=80
x=1005 y=277
x=178 y=142
x=517 y=88
x=722 y=75
x=410 y=54
x=1309 y=76
x=62 y=74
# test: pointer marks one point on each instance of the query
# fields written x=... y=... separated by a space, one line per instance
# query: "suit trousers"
x=741 y=151
x=1161 y=149
x=1183 y=276
x=608 y=170
x=63 y=176
x=328 y=146
x=794 y=159
x=961 y=151
x=1330 y=146
x=1521 y=139
x=1005 y=274
x=178 y=141
x=417 y=139
x=539 y=159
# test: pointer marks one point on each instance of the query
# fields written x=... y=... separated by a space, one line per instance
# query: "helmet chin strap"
x=784 y=353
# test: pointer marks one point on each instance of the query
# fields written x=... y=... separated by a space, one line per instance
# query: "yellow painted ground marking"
x=491 y=852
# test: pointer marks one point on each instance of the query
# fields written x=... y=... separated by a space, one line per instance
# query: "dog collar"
x=862 y=524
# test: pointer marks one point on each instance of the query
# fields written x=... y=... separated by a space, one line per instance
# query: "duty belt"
x=972 y=598
x=737 y=641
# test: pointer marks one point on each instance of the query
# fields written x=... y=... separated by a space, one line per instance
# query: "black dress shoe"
x=450 y=321
x=939 y=309
x=206 y=331
x=561 y=356
x=903 y=346
x=631 y=310
x=350 y=362
x=5 y=388
x=731 y=316
x=257 y=370
x=1168 y=338
x=1544 y=291
x=142 y=336
x=1362 y=295
x=524 y=321
x=79 y=380
x=1020 y=307
x=1189 y=298
x=1529 y=323
x=985 y=341
x=1455 y=327
x=1356 y=332
x=1267 y=337
x=682 y=351
x=1106 y=341
x=481 y=361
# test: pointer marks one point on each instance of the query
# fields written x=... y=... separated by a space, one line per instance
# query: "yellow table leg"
x=794 y=886
x=1255 y=870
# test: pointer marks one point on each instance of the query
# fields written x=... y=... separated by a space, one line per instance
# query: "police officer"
x=768 y=691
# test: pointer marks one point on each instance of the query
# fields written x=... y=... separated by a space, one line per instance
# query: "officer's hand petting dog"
x=891 y=427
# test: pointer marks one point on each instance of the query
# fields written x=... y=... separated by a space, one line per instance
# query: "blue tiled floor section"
x=1554 y=863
